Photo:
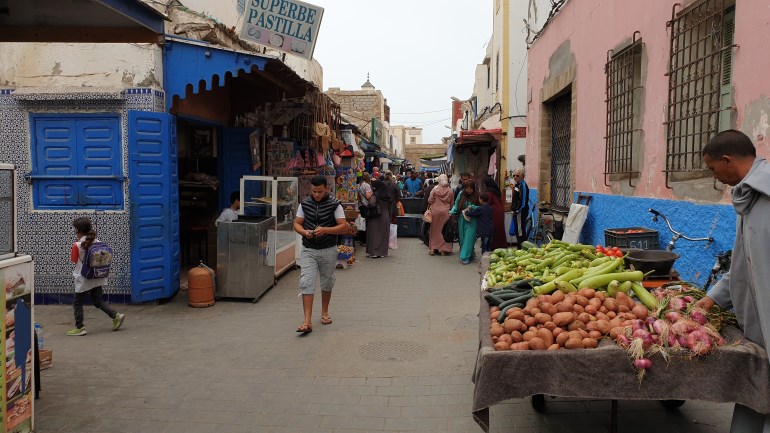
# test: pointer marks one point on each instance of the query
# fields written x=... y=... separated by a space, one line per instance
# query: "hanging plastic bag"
x=393 y=240
x=360 y=223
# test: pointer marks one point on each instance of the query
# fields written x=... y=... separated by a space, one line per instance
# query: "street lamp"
x=455 y=98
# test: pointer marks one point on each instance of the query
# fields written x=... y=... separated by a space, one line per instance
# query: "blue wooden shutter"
x=234 y=162
x=99 y=150
x=55 y=155
x=154 y=203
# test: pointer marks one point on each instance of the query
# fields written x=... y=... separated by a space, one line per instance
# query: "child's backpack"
x=96 y=263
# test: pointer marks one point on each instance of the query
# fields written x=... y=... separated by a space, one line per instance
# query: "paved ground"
x=398 y=357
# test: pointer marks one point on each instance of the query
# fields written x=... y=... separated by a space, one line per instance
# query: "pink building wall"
x=591 y=28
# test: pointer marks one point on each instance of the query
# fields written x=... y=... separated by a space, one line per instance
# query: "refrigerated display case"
x=268 y=196
x=16 y=282
x=242 y=252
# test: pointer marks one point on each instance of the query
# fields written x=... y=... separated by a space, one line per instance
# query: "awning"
x=480 y=136
x=433 y=162
x=192 y=63
x=80 y=21
x=368 y=146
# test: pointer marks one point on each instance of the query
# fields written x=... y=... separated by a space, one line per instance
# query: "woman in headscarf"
x=499 y=240
x=378 y=227
x=439 y=201
x=465 y=228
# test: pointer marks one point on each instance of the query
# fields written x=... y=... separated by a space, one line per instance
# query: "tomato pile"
x=609 y=251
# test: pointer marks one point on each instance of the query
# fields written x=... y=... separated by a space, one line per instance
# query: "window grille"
x=623 y=71
x=561 y=131
x=695 y=81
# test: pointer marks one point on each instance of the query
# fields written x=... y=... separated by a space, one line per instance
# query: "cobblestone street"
x=398 y=357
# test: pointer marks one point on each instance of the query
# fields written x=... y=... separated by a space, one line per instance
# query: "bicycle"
x=544 y=228
x=677 y=235
x=723 y=259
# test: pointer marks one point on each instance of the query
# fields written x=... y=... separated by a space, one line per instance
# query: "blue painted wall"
x=693 y=219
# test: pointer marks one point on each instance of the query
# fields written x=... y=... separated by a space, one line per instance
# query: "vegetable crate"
x=632 y=237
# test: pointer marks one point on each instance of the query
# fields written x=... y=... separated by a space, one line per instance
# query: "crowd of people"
x=479 y=215
x=478 y=212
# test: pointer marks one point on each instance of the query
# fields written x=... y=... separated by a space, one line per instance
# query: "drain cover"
x=392 y=350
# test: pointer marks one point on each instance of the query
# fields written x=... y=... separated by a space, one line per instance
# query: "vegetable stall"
x=570 y=321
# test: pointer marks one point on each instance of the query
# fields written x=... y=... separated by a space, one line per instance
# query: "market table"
x=738 y=372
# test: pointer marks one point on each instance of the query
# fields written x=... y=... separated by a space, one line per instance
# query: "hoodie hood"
x=756 y=183
x=442 y=191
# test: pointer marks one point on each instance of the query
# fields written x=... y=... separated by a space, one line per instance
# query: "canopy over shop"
x=477 y=152
x=80 y=21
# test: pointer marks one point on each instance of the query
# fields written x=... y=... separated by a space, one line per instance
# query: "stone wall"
x=360 y=105
x=413 y=153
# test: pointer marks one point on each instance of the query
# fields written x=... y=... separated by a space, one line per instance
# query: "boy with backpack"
x=92 y=260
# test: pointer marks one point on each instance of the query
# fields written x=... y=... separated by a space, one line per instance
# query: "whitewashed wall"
x=117 y=66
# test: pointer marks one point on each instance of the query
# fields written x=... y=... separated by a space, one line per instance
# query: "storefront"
x=478 y=153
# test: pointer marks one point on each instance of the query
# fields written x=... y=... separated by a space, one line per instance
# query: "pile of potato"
x=576 y=320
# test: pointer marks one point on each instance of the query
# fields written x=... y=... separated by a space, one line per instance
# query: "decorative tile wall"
x=48 y=235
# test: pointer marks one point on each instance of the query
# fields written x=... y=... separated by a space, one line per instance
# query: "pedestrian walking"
x=320 y=219
x=364 y=196
x=378 y=227
x=466 y=227
x=732 y=157
x=499 y=240
x=87 y=287
x=440 y=202
x=521 y=222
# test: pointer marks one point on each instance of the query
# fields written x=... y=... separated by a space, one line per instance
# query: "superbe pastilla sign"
x=286 y=25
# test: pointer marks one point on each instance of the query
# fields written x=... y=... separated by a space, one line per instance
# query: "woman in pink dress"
x=440 y=201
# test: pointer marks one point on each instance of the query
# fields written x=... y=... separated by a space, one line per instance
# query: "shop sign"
x=290 y=26
x=520 y=132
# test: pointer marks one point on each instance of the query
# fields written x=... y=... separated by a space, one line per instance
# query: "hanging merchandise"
x=320 y=161
x=493 y=164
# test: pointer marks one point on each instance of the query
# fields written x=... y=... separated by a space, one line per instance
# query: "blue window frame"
x=76 y=161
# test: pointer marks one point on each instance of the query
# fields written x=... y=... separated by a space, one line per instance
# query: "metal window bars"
x=623 y=71
x=561 y=129
x=695 y=77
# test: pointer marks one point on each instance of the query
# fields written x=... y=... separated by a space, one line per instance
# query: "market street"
x=398 y=357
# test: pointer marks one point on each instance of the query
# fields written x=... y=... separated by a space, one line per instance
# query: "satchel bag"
x=427 y=216
x=450 y=231
x=374 y=211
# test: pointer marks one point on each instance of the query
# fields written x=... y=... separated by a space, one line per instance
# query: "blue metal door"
x=154 y=204
x=234 y=162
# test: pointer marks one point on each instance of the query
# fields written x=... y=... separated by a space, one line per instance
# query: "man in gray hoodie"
x=732 y=157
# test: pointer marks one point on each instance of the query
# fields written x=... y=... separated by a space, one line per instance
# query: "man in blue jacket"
x=520 y=224
x=413 y=184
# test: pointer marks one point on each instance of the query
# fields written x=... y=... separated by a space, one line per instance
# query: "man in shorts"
x=320 y=219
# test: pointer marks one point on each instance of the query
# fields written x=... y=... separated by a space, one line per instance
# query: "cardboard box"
x=46 y=359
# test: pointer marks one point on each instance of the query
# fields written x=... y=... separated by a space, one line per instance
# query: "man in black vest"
x=320 y=218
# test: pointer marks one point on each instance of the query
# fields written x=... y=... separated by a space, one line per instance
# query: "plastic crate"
x=647 y=239
x=409 y=225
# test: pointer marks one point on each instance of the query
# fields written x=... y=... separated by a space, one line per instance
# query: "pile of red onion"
x=676 y=326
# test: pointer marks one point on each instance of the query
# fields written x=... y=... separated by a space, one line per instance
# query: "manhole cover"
x=392 y=350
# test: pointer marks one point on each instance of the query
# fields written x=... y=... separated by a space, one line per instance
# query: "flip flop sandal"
x=326 y=320
x=305 y=329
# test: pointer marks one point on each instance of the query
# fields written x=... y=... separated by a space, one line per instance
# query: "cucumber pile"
x=559 y=265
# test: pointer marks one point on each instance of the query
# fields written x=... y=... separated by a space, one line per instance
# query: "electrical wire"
x=426 y=112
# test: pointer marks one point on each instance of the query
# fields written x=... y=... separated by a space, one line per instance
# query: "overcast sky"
x=419 y=53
